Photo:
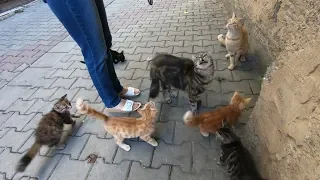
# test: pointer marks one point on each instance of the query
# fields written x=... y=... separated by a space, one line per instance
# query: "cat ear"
x=193 y=57
x=64 y=96
x=233 y=15
x=247 y=100
x=121 y=52
x=236 y=93
x=241 y=21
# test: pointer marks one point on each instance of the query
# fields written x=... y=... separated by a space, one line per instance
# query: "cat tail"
x=155 y=84
x=221 y=39
x=84 y=108
x=191 y=120
x=27 y=158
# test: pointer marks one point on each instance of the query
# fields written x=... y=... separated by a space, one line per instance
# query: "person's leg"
x=104 y=23
x=82 y=21
x=108 y=38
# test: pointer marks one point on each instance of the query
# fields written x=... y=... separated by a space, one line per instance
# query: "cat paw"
x=231 y=67
x=60 y=146
x=219 y=163
x=195 y=112
x=81 y=106
x=168 y=99
x=227 y=56
x=204 y=134
x=199 y=102
x=125 y=147
x=220 y=36
x=173 y=93
x=243 y=58
x=153 y=143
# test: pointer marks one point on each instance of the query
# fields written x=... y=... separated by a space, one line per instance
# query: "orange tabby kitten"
x=236 y=41
x=210 y=122
x=126 y=127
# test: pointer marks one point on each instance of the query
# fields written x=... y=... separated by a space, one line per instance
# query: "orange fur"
x=236 y=41
x=126 y=127
x=210 y=122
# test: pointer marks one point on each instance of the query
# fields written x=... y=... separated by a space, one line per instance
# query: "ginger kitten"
x=210 y=122
x=126 y=127
x=236 y=41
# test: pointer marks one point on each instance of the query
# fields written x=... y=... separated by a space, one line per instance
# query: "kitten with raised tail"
x=236 y=41
x=126 y=127
x=49 y=131
x=184 y=74
x=210 y=122
x=235 y=157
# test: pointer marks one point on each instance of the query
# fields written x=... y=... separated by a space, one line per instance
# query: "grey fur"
x=181 y=73
x=235 y=157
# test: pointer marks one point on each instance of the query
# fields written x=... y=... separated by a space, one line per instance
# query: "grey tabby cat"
x=237 y=159
x=49 y=130
x=181 y=73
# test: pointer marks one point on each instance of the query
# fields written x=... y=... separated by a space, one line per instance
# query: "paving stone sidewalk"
x=39 y=62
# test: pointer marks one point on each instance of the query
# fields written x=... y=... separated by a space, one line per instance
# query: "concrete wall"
x=284 y=130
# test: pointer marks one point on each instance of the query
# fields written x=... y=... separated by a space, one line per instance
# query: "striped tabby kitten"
x=49 y=130
x=237 y=159
x=181 y=73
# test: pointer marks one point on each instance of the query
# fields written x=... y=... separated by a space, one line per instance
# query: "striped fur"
x=235 y=157
x=181 y=73
x=49 y=131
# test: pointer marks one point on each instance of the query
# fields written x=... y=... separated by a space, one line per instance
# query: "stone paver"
x=39 y=63
x=139 y=173
x=173 y=154
x=102 y=171
x=177 y=174
x=105 y=148
x=140 y=151
x=14 y=139
x=17 y=121
x=70 y=169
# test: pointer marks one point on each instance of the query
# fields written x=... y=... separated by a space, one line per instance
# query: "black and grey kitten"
x=235 y=157
x=49 y=130
x=185 y=74
x=116 y=57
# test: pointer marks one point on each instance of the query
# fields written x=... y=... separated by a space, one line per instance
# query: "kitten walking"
x=49 y=130
x=126 y=127
x=235 y=157
x=181 y=73
x=210 y=122
x=116 y=57
x=236 y=41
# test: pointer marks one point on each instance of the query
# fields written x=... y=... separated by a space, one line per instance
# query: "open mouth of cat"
x=203 y=62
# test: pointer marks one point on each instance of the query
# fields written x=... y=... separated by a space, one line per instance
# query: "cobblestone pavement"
x=39 y=62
